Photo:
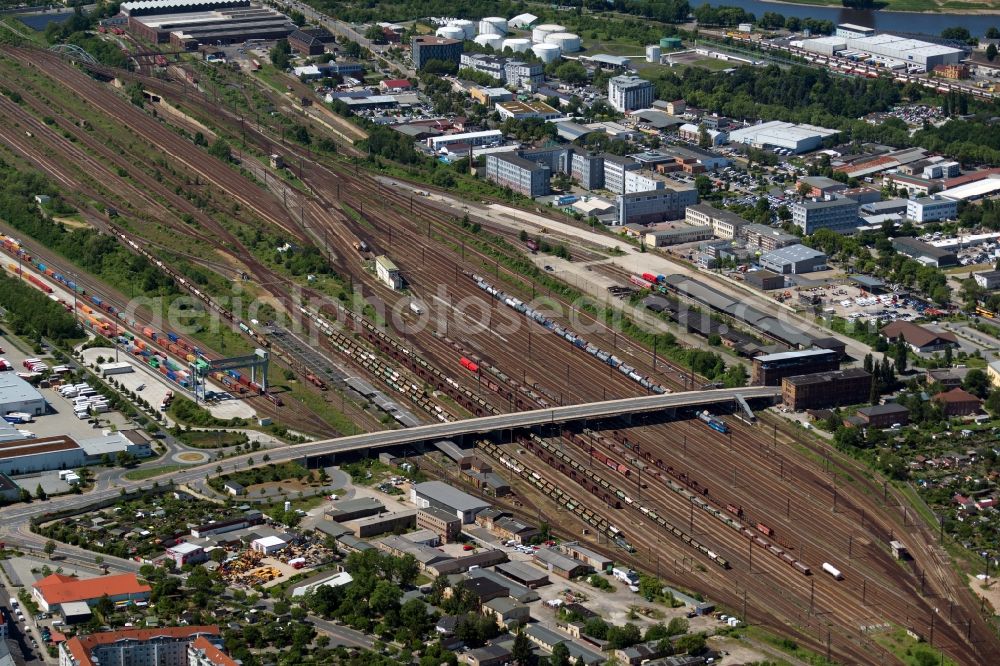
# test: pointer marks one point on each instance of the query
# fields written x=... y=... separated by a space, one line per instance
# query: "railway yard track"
x=749 y=498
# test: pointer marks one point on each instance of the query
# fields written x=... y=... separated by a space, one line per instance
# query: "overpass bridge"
x=538 y=417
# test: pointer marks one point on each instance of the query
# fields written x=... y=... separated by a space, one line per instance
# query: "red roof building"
x=202 y=653
x=137 y=647
x=395 y=85
x=57 y=589
x=958 y=402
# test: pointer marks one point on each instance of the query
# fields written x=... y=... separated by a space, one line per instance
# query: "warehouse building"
x=840 y=215
x=794 y=260
x=931 y=209
x=27 y=456
x=765 y=280
x=17 y=395
x=655 y=205
x=987 y=279
x=911 y=51
x=188 y=23
x=443 y=496
x=826 y=389
x=770 y=369
x=924 y=252
x=353 y=509
x=561 y=565
x=383 y=523
x=519 y=174
x=779 y=134
x=424 y=48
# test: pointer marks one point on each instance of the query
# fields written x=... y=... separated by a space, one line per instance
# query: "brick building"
x=883 y=416
x=958 y=402
x=444 y=523
x=826 y=389
x=770 y=369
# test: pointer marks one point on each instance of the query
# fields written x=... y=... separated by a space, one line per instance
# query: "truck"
x=416 y=308
x=18 y=417
x=713 y=422
x=833 y=571
x=626 y=576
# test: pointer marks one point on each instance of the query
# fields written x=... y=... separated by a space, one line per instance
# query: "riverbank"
x=965 y=8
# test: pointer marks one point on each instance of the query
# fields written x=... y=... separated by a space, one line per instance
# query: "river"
x=883 y=21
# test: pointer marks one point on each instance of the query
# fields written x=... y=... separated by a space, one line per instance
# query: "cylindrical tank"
x=670 y=42
x=494 y=41
x=546 y=52
x=567 y=41
x=540 y=32
x=652 y=53
x=493 y=25
x=451 y=32
x=468 y=27
x=517 y=45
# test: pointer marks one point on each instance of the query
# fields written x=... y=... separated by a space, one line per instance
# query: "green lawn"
x=910 y=651
x=150 y=472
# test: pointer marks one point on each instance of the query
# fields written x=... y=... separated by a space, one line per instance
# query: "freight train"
x=568 y=335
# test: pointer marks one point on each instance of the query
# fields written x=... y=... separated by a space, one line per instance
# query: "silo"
x=493 y=25
x=567 y=41
x=539 y=33
x=653 y=53
x=546 y=52
x=451 y=32
x=493 y=41
x=468 y=27
x=517 y=45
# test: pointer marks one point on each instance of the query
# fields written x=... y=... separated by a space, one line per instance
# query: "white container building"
x=567 y=41
x=517 y=45
x=468 y=27
x=493 y=25
x=451 y=32
x=540 y=32
x=546 y=52
x=493 y=41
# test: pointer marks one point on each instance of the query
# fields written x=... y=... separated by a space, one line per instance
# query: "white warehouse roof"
x=973 y=190
x=13 y=389
x=129 y=7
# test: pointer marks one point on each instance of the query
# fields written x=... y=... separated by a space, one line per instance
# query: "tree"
x=704 y=185
x=957 y=33
x=899 y=355
x=50 y=547
x=650 y=587
x=521 y=651
x=281 y=54
x=40 y=492
x=220 y=149
x=991 y=52
x=560 y=655
x=992 y=32
x=976 y=382
x=622 y=637
x=704 y=138
x=374 y=33
x=691 y=644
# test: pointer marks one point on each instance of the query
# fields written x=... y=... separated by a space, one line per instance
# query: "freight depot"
x=167 y=353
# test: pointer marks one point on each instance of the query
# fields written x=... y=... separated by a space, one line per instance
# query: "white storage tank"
x=517 y=45
x=468 y=27
x=546 y=52
x=833 y=571
x=493 y=41
x=451 y=32
x=540 y=32
x=493 y=25
x=567 y=41
x=653 y=54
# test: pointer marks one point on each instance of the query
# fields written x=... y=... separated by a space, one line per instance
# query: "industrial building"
x=384 y=522
x=484 y=138
x=51 y=592
x=188 y=23
x=826 y=389
x=655 y=205
x=770 y=369
x=924 y=252
x=17 y=395
x=910 y=51
x=387 y=272
x=361 y=507
x=931 y=209
x=987 y=279
x=519 y=174
x=779 y=134
x=628 y=93
x=794 y=260
x=724 y=223
x=840 y=215
x=26 y=456
x=444 y=523
x=559 y=564
x=765 y=280
x=443 y=496
x=307 y=43
x=524 y=110
x=424 y=48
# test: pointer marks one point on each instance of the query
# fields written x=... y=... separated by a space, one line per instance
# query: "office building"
x=588 y=170
x=615 y=167
x=524 y=75
x=794 y=260
x=519 y=174
x=444 y=523
x=852 y=31
x=162 y=646
x=682 y=234
x=770 y=369
x=628 y=93
x=655 y=205
x=924 y=252
x=724 y=224
x=443 y=496
x=840 y=215
x=764 y=238
x=424 y=48
x=931 y=209
x=826 y=389
x=492 y=66
x=987 y=279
